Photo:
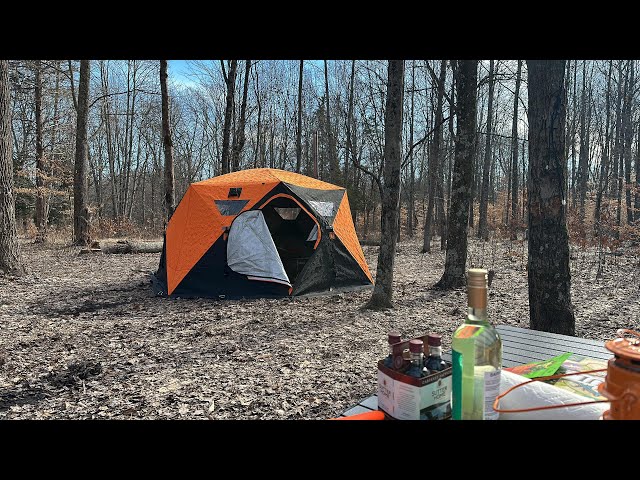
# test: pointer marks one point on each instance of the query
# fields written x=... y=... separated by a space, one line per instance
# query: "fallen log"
x=130 y=246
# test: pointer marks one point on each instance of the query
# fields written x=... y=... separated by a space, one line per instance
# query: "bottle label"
x=491 y=391
x=456 y=386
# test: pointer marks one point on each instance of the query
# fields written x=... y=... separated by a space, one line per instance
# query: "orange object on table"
x=372 y=415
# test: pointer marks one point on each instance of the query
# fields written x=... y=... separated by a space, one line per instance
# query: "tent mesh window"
x=230 y=207
x=322 y=208
x=288 y=213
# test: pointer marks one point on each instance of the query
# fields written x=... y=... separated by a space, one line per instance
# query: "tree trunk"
x=411 y=193
x=583 y=162
x=550 y=307
x=299 y=129
x=628 y=136
x=334 y=169
x=230 y=80
x=483 y=229
x=434 y=160
x=239 y=138
x=604 y=163
x=636 y=202
x=383 y=290
x=466 y=106
x=169 y=182
x=514 y=152
x=41 y=208
x=10 y=261
x=80 y=187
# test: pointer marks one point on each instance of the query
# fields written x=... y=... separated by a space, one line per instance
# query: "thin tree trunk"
x=466 y=107
x=230 y=80
x=434 y=160
x=483 y=228
x=334 y=169
x=636 y=203
x=383 y=290
x=604 y=163
x=583 y=164
x=548 y=264
x=239 y=138
x=10 y=261
x=411 y=193
x=299 y=129
x=169 y=182
x=81 y=220
x=41 y=208
x=628 y=136
x=514 y=152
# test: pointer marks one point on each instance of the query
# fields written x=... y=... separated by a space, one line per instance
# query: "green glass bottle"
x=476 y=356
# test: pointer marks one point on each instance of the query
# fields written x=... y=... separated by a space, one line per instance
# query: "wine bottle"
x=476 y=356
x=434 y=362
x=392 y=338
x=416 y=347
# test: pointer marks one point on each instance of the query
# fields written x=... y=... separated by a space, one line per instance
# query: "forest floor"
x=83 y=336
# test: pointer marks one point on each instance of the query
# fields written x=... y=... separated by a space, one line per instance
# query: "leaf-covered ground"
x=82 y=336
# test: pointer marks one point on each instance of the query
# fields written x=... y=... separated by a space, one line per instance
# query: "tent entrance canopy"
x=295 y=232
x=251 y=251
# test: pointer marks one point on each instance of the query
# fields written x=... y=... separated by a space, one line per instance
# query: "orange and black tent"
x=261 y=233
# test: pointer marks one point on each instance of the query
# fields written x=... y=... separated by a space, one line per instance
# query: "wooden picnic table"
x=521 y=346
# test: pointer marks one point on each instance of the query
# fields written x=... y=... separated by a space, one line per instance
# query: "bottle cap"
x=477 y=277
x=434 y=340
x=416 y=346
x=477 y=288
x=394 y=337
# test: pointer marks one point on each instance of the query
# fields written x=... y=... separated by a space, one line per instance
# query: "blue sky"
x=178 y=69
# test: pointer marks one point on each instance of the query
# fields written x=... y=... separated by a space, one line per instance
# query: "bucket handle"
x=546 y=407
x=621 y=332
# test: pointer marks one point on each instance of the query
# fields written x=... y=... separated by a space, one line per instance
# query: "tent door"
x=251 y=251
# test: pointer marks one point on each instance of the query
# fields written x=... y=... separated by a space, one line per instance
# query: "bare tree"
x=9 y=249
x=383 y=290
x=466 y=109
x=81 y=221
x=514 y=148
x=548 y=264
x=299 y=129
x=41 y=207
x=483 y=229
x=239 y=138
x=434 y=159
x=169 y=183
x=334 y=169
x=230 y=81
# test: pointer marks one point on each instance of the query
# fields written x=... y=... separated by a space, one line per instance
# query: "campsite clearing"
x=84 y=337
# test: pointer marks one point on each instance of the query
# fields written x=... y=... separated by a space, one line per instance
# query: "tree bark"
x=466 y=109
x=434 y=160
x=80 y=185
x=604 y=163
x=169 y=182
x=514 y=151
x=483 y=229
x=334 y=168
x=230 y=80
x=239 y=138
x=583 y=160
x=550 y=307
x=10 y=261
x=41 y=207
x=383 y=290
x=299 y=129
x=412 y=173
x=628 y=136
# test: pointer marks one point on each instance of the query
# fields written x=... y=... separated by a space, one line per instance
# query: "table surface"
x=521 y=346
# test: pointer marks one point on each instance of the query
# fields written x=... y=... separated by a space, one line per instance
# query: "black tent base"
x=159 y=289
